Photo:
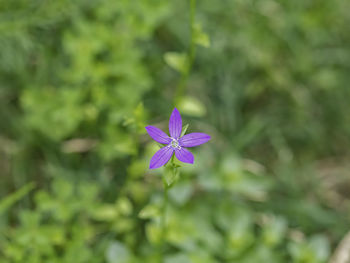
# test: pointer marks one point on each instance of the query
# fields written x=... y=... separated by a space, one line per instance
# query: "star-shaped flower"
x=175 y=143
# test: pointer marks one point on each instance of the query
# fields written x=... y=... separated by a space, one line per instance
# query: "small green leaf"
x=274 y=231
x=171 y=175
x=106 y=213
x=191 y=106
x=200 y=37
x=149 y=211
x=11 y=199
x=177 y=61
x=153 y=233
x=184 y=129
x=124 y=206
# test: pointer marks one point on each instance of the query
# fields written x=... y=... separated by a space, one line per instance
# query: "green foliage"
x=71 y=223
x=268 y=80
x=9 y=200
x=177 y=61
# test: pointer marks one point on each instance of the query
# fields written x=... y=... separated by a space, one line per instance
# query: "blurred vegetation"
x=79 y=80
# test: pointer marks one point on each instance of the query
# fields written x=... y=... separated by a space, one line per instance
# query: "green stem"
x=164 y=209
x=163 y=225
x=180 y=89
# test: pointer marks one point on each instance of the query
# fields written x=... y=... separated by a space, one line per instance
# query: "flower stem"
x=180 y=89
x=164 y=210
x=163 y=226
x=163 y=223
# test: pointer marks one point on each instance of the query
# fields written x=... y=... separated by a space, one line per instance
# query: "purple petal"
x=184 y=155
x=175 y=124
x=194 y=139
x=161 y=157
x=158 y=135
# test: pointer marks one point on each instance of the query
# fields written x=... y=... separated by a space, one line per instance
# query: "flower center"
x=175 y=144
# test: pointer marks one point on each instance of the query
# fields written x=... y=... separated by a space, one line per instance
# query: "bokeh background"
x=80 y=79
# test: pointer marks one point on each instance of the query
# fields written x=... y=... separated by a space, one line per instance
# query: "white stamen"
x=175 y=143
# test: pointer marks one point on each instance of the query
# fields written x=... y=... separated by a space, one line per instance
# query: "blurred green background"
x=80 y=79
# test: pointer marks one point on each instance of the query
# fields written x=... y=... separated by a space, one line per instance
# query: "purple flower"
x=175 y=143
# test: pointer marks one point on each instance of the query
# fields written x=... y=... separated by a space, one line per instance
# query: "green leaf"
x=192 y=106
x=274 y=231
x=200 y=37
x=105 y=213
x=177 y=61
x=149 y=211
x=124 y=206
x=11 y=199
x=184 y=129
x=171 y=175
x=153 y=233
